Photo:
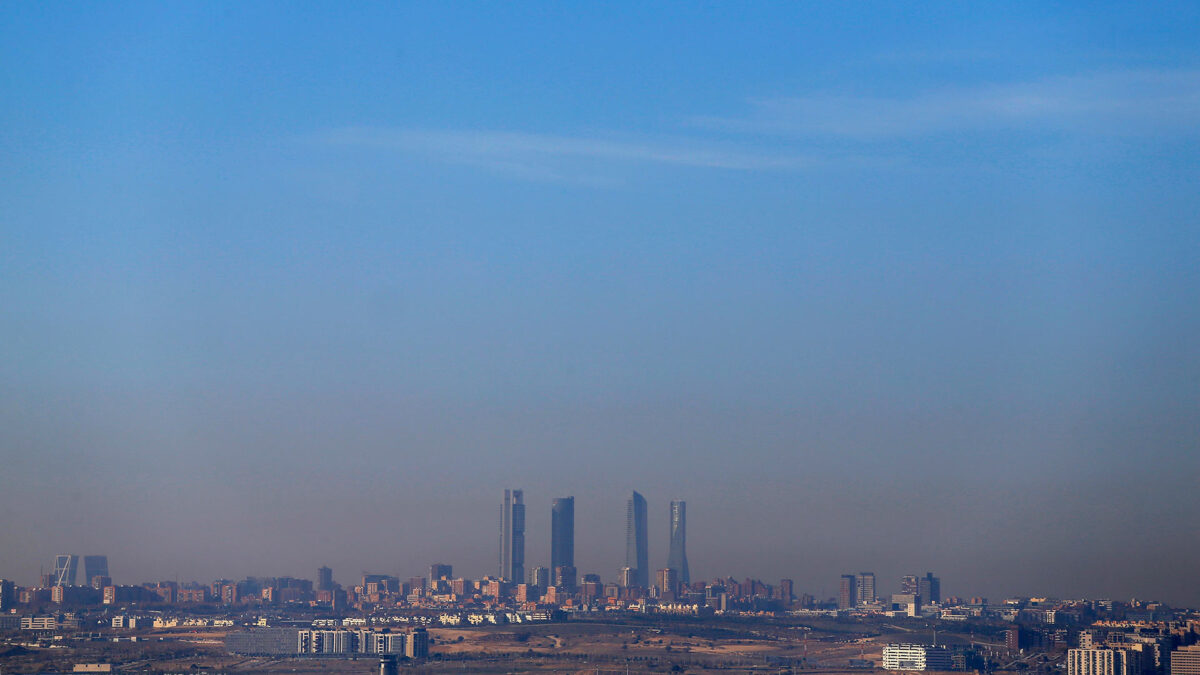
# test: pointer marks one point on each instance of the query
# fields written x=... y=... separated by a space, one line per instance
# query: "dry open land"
x=599 y=644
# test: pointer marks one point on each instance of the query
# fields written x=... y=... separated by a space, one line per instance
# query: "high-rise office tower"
x=637 y=556
x=909 y=585
x=512 y=537
x=324 y=579
x=539 y=578
x=8 y=594
x=929 y=588
x=562 y=533
x=94 y=566
x=442 y=571
x=785 y=593
x=677 y=560
x=66 y=567
x=848 y=591
x=667 y=580
x=865 y=588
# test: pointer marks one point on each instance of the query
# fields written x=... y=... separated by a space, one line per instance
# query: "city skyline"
x=822 y=585
x=873 y=286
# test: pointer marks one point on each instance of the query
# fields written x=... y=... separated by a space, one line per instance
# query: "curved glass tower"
x=677 y=560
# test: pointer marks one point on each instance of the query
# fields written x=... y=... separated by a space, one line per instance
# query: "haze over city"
x=870 y=286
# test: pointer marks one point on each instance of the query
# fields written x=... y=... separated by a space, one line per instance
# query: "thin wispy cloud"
x=1114 y=103
x=550 y=156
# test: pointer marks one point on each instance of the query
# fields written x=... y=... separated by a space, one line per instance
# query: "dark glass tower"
x=637 y=557
x=562 y=533
x=512 y=537
x=677 y=560
x=94 y=566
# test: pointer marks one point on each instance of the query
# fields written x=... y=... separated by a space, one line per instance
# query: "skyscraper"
x=677 y=560
x=637 y=557
x=512 y=537
x=562 y=533
x=94 y=566
x=865 y=588
x=442 y=571
x=929 y=588
x=324 y=579
x=65 y=569
x=848 y=591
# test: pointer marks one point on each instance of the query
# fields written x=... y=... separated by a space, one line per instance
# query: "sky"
x=890 y=287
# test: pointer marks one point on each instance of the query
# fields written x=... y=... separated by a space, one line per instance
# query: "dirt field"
x=601 y=644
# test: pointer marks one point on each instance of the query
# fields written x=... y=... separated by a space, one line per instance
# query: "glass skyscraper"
x=637 y=557
x=562 y=533
x=512 y=537
x=66 y=568
x=677 y=560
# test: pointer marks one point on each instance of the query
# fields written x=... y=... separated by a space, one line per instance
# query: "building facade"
x=916 y=657
x=1106 y=661
x=1186 y=661
x=847 y=591
x=864 y=588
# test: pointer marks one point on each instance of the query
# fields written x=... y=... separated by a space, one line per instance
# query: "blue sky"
x=922 y=275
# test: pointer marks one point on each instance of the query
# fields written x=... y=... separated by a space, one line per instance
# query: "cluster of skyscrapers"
x=562 y=571
x=858 y=590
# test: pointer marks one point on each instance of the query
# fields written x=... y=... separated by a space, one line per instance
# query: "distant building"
x=94 y=566
x=66 y=568
x=847 y=591
x=625 y=578
x=667 y=581
x=677 y=559
x=324 y=579
x=929 y=588
x=864 y=583
x=906 y=602
x=910 y=585
x=1105 y=661
x=1012 y=639
x=562 y=533
x=786 y=594
x=637 y=556
x=512 y=537
x=916 y=657
x=565 y=577
x=539 y=578
x=442 y=571
x=417 y=646
x=1186 y=661
x=8 y=595
x=39 y=623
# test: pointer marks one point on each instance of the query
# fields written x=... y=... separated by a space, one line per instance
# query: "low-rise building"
x=916 y=657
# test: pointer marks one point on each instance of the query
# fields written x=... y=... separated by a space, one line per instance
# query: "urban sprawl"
x=536 y=618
